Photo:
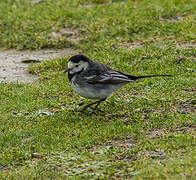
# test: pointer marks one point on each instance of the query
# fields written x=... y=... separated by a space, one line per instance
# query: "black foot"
x=97 y=109
x=93 y=108
x=80 y=104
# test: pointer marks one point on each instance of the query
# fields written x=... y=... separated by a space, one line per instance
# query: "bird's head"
x=77 y=63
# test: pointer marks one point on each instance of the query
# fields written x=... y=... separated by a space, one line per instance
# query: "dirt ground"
x=14 y=64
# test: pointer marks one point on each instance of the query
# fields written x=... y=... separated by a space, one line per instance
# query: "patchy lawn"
x=147 y=129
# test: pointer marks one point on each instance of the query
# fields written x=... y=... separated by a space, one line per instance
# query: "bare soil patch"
x=132 y=45
x=186 y=107
x=69 y=33
x=158 y=132
x=171 y=19
x=190 y=45
x=14 y=64
x=35 y=1
x=117 y=143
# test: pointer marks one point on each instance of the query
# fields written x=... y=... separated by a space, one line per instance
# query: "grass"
x=147 y=130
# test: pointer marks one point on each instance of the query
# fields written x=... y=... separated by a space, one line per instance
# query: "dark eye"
x=76 y=66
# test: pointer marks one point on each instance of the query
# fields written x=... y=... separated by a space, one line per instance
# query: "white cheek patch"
x=70 y=65
x=77 y=67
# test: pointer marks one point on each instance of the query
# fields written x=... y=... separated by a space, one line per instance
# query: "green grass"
x=147 y=130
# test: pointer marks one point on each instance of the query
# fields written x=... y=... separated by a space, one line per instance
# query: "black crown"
x=77 y=58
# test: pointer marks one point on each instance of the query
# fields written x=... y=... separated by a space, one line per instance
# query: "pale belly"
x=92 y=91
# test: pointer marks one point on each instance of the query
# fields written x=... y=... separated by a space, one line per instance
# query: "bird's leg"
x=89 y=105
x=97 y=109
x=81 y=103
x=98 y=102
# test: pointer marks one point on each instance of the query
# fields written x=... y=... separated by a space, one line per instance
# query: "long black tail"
x=140 y=77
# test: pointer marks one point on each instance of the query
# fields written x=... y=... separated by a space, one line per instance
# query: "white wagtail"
x=94 y=80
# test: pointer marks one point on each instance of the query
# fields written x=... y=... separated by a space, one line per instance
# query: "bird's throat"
x=70 y=76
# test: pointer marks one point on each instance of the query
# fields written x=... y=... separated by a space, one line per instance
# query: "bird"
x=94 y=80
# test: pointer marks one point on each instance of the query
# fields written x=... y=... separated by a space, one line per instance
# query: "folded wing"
x=109 y=77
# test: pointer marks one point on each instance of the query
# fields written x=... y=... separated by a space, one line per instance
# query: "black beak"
x=66 y=70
